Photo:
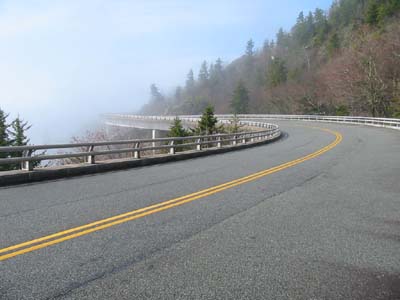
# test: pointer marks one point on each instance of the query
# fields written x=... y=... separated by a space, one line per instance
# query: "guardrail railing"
x=377 y=122
x=137 y=146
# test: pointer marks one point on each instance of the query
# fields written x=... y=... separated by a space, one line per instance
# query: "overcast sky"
x=62 y=63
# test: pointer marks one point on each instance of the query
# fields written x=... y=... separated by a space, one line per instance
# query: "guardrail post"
x=234 y=140
x=27 y=165
x=198 y=146
x=91 y=159
x=244 y=139
x=136 y=153
x=219 y=144
x=153 y=136
x=172 y=149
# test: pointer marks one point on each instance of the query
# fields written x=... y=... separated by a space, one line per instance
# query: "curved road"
x=327 y=227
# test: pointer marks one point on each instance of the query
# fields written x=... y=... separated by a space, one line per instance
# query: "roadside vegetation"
x=207 y=125
x=12 y=134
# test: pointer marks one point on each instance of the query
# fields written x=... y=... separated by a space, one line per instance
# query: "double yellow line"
x=72 y=233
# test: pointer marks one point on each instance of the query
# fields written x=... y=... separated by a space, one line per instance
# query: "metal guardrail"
x=270 y=131
x=377 y=122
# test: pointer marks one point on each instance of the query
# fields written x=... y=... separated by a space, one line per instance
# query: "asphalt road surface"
x=326 y=226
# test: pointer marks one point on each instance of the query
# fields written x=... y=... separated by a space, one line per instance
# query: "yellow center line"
x=75 y=232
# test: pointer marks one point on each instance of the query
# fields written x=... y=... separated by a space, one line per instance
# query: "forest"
x=344 y=61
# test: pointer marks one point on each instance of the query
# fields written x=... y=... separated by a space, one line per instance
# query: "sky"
x=63 y=63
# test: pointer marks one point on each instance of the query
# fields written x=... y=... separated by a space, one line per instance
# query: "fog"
x=63 y=63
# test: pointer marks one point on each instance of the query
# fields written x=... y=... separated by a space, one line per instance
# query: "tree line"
x=342 y=61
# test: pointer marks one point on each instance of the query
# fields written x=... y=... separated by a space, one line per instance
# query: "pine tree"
x=300 y=18
x=156 y=95
x=19 y=128
x=176 y=129
x=299 y=30
x=387 y=9
x=240 y=99
x=266 y=46
x=250 y=57
x=321 y=26
x=333 y=44
x=18 y=136
x=208 y=122
x=216 y=73
x=281 y=38
x=235 y=124
x=4 y=138
x=310 y=27
x=218 y=66
x=277 y=72
x=190 y=80
x=250 y=48
x=372 y=12
x=203 y=73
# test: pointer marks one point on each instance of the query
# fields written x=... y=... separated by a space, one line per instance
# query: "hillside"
x=339 y=62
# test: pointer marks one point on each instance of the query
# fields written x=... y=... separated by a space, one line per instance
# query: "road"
x=324 y=227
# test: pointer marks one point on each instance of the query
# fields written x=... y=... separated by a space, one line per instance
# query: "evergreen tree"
x=277 y=72
x=208 y=122
x=372 y=13
x=321 y=26
x=300 y=18
x=250 y=48
x=190 y=80
x=266 y=46
x=216 y=72
x=235 y=124
x=333 y=44
x=282 y=38
x=299 y=30
x=4 y=138
x=156 y=96
x=272 y=44
x=218 y=67
x=203 y=73
x=310 y=27
x=320 y=18
x=19 y=138
x=386 y=9
x=343 y=12
x=249 y=57
x=176 y=129
x=240 y=99
x=19 y=128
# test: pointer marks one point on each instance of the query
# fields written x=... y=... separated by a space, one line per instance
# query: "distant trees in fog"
x=342 y=61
